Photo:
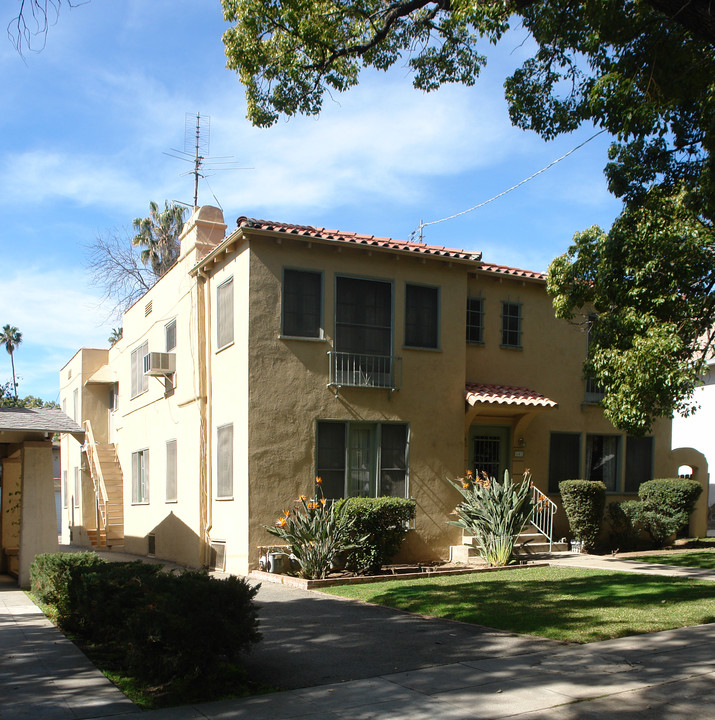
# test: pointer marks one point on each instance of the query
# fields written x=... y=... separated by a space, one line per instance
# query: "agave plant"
x=317 y=532
x=494 y=513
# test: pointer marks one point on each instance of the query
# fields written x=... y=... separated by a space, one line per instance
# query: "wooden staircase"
x=108 y=483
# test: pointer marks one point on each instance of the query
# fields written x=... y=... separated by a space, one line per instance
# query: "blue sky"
x=87 y=122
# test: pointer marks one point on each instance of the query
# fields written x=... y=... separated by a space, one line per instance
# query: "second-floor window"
x=170 y=333
x=302 y=303
x=511 y=324
x=475 y=320
x=139 y=379
x=421 y=316
x=224 y=314
x=363 y=316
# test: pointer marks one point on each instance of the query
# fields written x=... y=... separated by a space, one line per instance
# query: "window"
x=421 y=316
x=224 y=465
x=139 y=379
x=224 y=314
x=602 y=459
x=171 y=471
x=75 y=405
x=302 y=303
x=77 y=487
x=363 y=316
x=475 y=320
x=114 y=397
x=639 y=462
x=170 y=333
x=65 y=489
x=511 y=324
x=362 y=459
x=564 y=458
x=140 y=477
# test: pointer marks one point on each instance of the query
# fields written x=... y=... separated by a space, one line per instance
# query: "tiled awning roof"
x=513 y=272
x=309 y=231
x=505 y=395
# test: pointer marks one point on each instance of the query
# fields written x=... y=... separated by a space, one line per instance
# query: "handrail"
x=95 y=470
x=542 y=516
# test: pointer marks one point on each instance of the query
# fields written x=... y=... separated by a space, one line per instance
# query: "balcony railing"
x=368 y=371
x=594 y=392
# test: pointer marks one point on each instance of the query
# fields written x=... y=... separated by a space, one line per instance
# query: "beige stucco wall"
x=38 y=523
x=10 y=508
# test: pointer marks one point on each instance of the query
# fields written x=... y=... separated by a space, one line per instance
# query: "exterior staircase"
x=535 y=540
x=108 y=483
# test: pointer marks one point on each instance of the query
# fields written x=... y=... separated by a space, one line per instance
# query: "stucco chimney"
x=203 y=231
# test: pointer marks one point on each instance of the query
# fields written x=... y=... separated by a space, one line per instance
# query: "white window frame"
x=140 y=382
x=140 y=477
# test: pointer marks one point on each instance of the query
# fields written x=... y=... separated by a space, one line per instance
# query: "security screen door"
x=490 y=451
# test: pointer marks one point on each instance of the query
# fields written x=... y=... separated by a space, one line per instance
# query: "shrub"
x=50 y=575
x=623 y=535
x=164 y=626
x=495 y=513
x=584 y=502
x=674 y=498
x=317 y=532
x=379 y=526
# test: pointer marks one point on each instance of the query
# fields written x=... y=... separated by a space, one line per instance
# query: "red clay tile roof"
x=365 y=240
x=505 y=395
x=516 y=272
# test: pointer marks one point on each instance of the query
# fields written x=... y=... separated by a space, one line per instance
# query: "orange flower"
x=322 y=501
x=465 y=485
x=303 y=498
x=281 y=522
x=470 y=473
x=318 y=480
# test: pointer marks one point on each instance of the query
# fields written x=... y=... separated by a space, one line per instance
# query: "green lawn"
x=571 y=604
x=704 y=559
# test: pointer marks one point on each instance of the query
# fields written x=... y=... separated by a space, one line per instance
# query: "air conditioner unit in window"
x=159 y=364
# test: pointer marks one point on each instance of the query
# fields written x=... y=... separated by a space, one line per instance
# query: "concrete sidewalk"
x=351 y=660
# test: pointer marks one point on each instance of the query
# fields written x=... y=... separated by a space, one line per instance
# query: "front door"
x=489 y=450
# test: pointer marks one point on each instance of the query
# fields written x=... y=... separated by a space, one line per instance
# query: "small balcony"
x=594 y=392
x=366 y=371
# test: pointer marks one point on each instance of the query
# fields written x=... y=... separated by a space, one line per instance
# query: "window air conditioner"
x=159 y=364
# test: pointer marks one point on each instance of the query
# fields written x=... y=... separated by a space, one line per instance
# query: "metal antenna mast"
x=197 y=132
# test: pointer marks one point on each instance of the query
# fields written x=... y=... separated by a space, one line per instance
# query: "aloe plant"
x=494 y=513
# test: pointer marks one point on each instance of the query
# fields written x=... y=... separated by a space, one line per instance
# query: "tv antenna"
x=197 y=136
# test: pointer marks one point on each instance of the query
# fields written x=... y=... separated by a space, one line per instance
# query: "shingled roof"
x=308 y=231
x=513 y=272
x=37 y=420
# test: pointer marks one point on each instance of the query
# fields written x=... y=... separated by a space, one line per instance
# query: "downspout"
x=206 y=470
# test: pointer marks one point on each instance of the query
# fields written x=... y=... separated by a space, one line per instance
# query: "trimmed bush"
x=50 y=576
x=164 y=626
x=584 y=502
x=674 y=498
x=379 y=525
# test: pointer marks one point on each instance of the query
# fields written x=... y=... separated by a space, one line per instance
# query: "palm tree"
x=159 y=234
x=11 y=337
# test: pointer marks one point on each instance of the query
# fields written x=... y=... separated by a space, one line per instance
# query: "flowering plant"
x=494 y=513
x=317 y=532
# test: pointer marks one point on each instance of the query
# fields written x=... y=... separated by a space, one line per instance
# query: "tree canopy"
x=11 y=337
x=642 y=69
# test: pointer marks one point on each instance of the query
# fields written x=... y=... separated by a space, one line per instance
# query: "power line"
x=423 y=225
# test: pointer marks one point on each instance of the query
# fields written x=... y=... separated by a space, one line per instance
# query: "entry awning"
x=28 y=422
x=476 y=393
x=104 y=376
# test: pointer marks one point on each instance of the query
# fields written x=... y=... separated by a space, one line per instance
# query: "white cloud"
x=57 y=314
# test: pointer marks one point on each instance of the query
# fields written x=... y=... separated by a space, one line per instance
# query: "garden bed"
x=390 y=572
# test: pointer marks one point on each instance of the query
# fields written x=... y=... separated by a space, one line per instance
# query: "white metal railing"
x=358 y=370
x=95 y=471
x=542 y=516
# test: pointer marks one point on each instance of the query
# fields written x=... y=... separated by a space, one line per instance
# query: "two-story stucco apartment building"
x=277 y=353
